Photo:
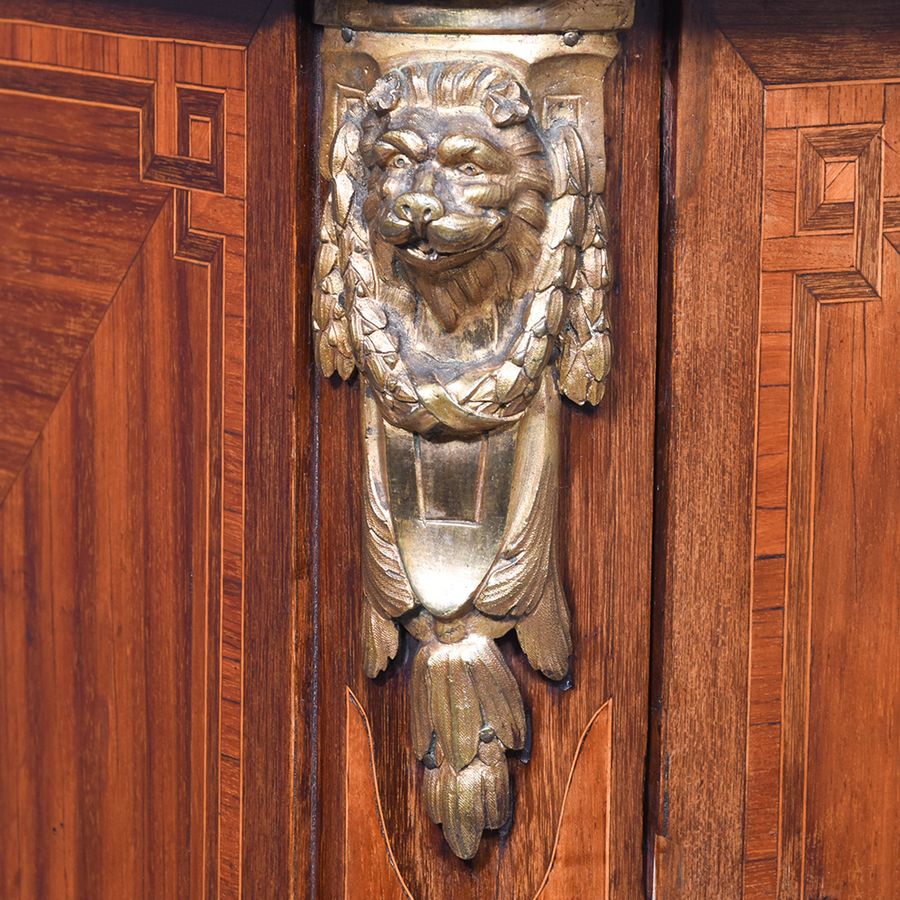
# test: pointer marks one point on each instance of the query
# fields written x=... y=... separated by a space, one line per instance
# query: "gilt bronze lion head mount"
x=463 y=269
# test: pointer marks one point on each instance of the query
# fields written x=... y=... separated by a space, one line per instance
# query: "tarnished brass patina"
x=463 y=269
x=472 y=16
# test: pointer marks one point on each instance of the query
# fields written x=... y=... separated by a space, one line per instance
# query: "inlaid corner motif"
x=828 y=276
x=190 y=104
x=463 y=269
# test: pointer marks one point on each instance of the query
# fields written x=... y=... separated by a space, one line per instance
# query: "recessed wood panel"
x=105 y=606
x=839 y=318
x=853 y=702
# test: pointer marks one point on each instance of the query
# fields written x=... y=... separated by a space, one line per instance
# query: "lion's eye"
x=470 y=169
x=399 y=161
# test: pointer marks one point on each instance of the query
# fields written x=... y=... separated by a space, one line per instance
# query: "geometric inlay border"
x=171 y=86
x=816 y=251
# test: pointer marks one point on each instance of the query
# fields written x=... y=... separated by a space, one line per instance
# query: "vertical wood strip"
x=706 y=456
x=276 y=646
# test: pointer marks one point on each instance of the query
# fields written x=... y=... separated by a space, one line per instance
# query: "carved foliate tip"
x=385 y=95
x=507 y=104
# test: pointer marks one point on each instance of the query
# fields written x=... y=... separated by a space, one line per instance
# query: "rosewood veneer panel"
x=778 y=681
x=104 y=607
x=72 y=216
x=166 y=108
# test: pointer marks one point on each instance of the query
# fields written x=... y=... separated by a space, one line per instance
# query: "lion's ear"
x=332 y=303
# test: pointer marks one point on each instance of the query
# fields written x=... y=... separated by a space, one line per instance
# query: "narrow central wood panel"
x=605 y=509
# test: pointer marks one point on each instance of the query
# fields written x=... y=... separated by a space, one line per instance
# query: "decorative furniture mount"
x=463 y=269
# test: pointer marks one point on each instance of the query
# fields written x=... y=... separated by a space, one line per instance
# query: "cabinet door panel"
x=779 y=685
x=138 y=345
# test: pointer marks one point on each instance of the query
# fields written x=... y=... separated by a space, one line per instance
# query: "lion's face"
x=445 y=184
x=459 y=181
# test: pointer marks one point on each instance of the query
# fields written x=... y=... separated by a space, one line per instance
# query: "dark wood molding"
x=277 y=636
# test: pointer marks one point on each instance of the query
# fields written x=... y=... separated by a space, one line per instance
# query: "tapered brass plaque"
x=463 y=269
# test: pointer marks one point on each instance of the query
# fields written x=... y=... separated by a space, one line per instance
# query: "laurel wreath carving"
x=565 y=310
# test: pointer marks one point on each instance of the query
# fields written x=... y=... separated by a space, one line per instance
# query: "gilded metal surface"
x=477 y=15
x=463 y=269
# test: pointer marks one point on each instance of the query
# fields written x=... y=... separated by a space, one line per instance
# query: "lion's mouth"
x=422 y=254
x=422 y=250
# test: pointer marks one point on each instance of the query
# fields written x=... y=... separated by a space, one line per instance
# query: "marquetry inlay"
x=191 y=105
x=372 y=868
x=831 y=211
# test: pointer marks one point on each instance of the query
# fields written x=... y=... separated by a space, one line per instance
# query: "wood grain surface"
x=827 y=417
x=57 y=282
x=179 y=493
x=801 y=41
x=582 y=834
x=104 y=606
x=607 y=468
x=222 y=22
x=706 y=464
x=779 y=695
x=129 y=652
x=277 y=653
x=370 y=868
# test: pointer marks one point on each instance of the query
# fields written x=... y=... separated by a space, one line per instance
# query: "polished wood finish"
x=580 y=860
x=51 y=310
x=825 y=425
x=138 y=282
x=278 y=544
x=200 y=22
x=706 y=454
x=778 y=685
x=103 y=640
x=178 y=550
x=607 y=468
x=370 y=868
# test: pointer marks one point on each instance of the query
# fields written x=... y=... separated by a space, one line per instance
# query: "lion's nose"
x=418 y=209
